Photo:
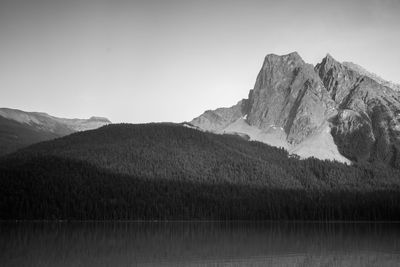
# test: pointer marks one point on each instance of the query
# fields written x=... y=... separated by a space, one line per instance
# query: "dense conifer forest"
x=167 y=171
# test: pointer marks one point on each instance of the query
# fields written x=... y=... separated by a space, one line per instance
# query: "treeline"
x=162 y=171
x=52 y=188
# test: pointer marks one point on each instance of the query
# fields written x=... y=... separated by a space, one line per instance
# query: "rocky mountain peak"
x=328 y=63
x=290 y=60
x=337 y=79
x=329 y=57
x=285 y=92
x=287 y=106
x=328 y=111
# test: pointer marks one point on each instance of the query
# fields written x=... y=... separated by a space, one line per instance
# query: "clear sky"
x=170 y=60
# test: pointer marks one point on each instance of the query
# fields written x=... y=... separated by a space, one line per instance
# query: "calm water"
x=199 y=244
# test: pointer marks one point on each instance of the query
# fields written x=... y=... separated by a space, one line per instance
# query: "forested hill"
x=167 y=171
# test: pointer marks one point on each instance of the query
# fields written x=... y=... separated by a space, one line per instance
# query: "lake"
x=199 y=244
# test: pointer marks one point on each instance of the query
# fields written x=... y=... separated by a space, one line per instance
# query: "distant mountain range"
x=20 y=128
x=337 y=111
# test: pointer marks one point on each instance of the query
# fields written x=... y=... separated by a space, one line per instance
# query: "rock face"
x=289 y=94
x=217 y=120
x=337 y=79
x=19 y=128
x=367 y=127
x=333 y=111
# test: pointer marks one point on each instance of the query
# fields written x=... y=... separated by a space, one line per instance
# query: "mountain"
x=330 y=111
x=367 y=127
x=20 y=128
x=170 y=171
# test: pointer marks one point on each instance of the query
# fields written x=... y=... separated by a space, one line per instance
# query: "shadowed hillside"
x=167 y=171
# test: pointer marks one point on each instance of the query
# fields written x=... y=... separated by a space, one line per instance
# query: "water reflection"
x=199 y=244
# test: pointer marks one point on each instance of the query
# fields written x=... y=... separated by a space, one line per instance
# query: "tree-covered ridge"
x=170 y=151
x=166 y=171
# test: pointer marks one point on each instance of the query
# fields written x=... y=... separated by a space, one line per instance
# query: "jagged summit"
x=292 y=58
x=331 y=111
x=287 y=106
x=291 y=55
x=329 y=61
x=329 y=57
x=286 y=89
x=337 y=79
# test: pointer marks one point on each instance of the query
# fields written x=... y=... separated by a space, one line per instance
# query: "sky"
x=170 y=60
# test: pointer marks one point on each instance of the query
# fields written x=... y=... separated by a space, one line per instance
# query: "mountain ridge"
x=167 y=171
x=303 y=103
x=377 y=78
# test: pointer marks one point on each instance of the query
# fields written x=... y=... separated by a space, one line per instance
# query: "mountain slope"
x=367 y=127
x=19 y=128
x=217 y=120
x=157 y=171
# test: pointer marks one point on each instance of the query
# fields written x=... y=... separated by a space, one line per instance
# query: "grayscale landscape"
x=199 y=133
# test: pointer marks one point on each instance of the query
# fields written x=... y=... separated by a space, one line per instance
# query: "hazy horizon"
x=144 y=61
